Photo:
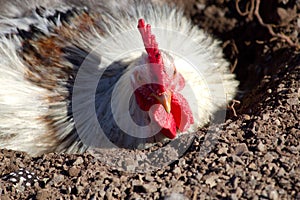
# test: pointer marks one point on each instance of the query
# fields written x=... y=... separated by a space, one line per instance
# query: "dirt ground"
x=256 y=155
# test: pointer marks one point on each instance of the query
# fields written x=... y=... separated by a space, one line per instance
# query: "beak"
x=165 y=100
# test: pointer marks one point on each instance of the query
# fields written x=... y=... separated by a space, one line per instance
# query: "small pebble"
x=261 y=147
x=74 y=171
x=246 y=117
x=277 y=122
x=239 y=192
x=78 y=161
x=177 y=170
x=269 y=91
x=150 y=187
x=241 y=149
x=223 y=150
x=211 y=181
x=252 y=166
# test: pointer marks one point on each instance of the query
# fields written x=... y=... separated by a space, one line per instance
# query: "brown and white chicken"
x=77 y=74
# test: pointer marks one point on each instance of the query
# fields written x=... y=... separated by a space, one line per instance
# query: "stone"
x=261 y=147
x=240 y=149
x=74 y=171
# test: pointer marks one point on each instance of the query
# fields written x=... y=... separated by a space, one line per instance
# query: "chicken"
x=81 y=74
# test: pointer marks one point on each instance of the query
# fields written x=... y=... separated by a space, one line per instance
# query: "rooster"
x=77 y=74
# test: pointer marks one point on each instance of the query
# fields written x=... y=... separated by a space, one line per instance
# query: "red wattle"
x=181 y=116
x=166 y=121
x=181 y=112
x=169 y=133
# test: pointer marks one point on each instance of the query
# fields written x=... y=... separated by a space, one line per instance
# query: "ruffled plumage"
x=48 y=47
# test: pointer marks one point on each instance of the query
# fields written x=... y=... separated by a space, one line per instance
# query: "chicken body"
x=67 y=74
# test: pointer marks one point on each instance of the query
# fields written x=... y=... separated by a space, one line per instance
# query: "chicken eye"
x=175 y=71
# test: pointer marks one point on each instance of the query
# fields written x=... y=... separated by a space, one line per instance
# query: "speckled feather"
x=42 y=46
x=22 y=177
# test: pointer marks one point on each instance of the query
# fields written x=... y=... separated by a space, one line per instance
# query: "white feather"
x=21 y=103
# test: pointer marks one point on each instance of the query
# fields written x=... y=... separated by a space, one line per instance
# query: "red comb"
x=153 y=52
x=150 y=43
